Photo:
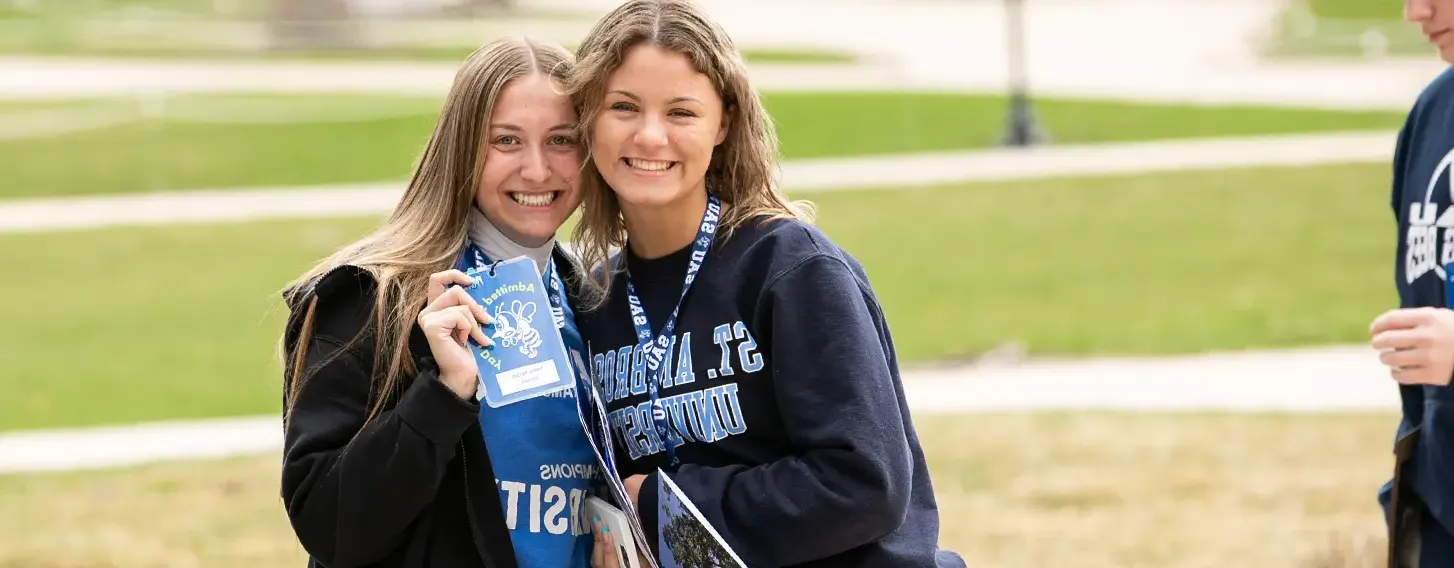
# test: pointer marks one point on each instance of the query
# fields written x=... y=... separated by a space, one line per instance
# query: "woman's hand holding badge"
x=449 y=319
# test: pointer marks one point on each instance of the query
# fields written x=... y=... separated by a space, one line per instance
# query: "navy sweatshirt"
x=783 y=385
x=1421 y=203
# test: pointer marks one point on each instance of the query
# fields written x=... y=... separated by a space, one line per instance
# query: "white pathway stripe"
x=856 y=173
x=1323 y=379
x=24 y=78
x=1334 y=379
x=50 y=122
x=44 y=123
x=119 y=446
x=202 y=206
x=1002 y=164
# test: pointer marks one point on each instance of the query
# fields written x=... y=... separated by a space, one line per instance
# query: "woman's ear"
x=726 y=124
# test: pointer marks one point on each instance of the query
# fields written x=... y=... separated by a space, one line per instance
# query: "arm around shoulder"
x=351 y=488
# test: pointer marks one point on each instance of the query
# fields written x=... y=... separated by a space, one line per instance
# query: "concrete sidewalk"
x=798 y=176
x=46 y=78
x=1320 y=379
x=1380 y=85
x=1333 y=379
x=1131 y=50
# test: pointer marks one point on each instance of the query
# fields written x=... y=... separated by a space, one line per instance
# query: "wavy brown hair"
x=742 y=167
x=428 y=226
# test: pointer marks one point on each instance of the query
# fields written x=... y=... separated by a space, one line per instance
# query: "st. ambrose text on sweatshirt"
x=782 y=384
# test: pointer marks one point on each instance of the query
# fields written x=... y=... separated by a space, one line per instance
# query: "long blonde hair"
x=742 y=167
x=428 y=226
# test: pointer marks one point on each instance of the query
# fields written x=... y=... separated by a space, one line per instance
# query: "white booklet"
x=598 y=430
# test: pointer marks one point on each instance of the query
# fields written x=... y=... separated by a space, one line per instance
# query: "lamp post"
x=1021 y=129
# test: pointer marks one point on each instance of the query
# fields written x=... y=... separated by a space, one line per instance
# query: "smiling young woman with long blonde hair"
x=736 y=346
x=389 y=458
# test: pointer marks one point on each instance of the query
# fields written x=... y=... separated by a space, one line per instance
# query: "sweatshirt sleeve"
x=352 y=490
x=848 y=482
x=1400 y=163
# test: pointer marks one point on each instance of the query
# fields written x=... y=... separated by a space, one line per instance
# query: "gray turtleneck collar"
x=498 y=247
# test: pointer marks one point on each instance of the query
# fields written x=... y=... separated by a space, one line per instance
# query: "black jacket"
x=415 y=488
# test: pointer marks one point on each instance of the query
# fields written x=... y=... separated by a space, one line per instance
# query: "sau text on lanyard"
x=655 y=351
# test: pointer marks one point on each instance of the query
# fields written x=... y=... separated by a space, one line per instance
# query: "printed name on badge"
x=523 y=378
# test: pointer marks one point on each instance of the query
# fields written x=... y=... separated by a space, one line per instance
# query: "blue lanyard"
x=655 y=351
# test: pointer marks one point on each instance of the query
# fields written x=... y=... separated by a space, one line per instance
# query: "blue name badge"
x=528 y=357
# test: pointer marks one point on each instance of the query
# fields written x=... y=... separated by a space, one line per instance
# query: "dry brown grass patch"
x=1016 y=490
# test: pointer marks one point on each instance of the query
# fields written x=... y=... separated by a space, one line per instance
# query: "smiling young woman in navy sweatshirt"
x=782 y=416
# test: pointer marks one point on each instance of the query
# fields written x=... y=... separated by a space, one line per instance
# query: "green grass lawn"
x=1357 y=9
x=176 y=322
x=231 y=141
x=1148 y=264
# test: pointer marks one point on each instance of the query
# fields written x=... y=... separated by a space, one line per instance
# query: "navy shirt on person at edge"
x=1421 y=201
